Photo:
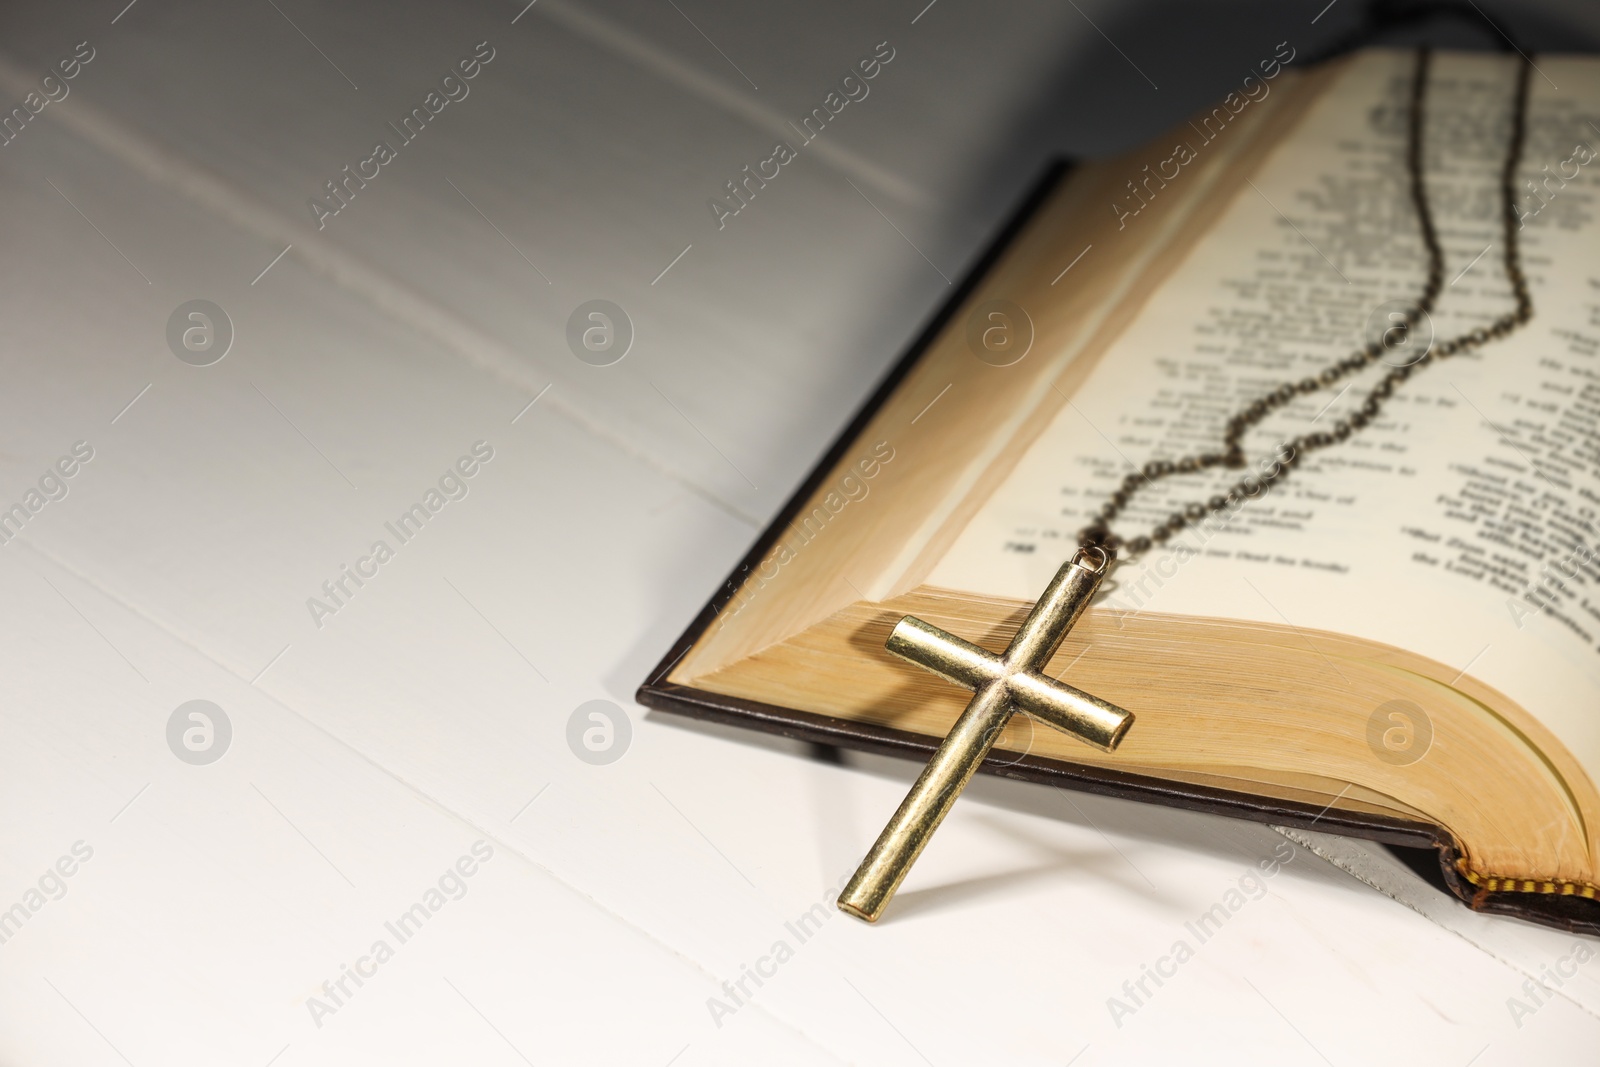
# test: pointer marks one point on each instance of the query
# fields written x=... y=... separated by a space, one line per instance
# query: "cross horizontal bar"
x=943 y=653
x=1056 y=704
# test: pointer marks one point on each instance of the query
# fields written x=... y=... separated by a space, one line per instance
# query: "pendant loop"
x=1092 y=557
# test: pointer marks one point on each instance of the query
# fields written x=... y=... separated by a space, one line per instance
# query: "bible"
x=1399 y=641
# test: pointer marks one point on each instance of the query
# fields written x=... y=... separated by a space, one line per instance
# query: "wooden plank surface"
x=374 y=744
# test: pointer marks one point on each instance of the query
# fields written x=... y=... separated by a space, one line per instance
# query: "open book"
x=1398 y=641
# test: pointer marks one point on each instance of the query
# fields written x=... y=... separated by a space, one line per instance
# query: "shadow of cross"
x=1013 y=681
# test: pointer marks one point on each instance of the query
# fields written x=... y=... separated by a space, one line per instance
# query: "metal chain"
x=1098 y=533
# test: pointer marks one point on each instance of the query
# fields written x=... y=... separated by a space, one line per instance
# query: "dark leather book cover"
x=1526 y=900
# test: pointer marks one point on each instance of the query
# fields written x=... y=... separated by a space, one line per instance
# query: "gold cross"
x=1000 y=685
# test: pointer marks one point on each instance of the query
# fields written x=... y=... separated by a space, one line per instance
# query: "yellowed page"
x=1461 y=525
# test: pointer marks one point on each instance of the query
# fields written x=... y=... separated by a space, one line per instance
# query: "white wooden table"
x=379 y=750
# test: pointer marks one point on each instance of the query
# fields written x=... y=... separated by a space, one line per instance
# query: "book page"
x=1460 y=525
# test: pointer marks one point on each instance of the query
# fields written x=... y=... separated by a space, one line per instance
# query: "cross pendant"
x=1001 y=685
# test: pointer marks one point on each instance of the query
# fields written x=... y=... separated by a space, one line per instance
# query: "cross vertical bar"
x=929 y=801
x=1055 y=612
